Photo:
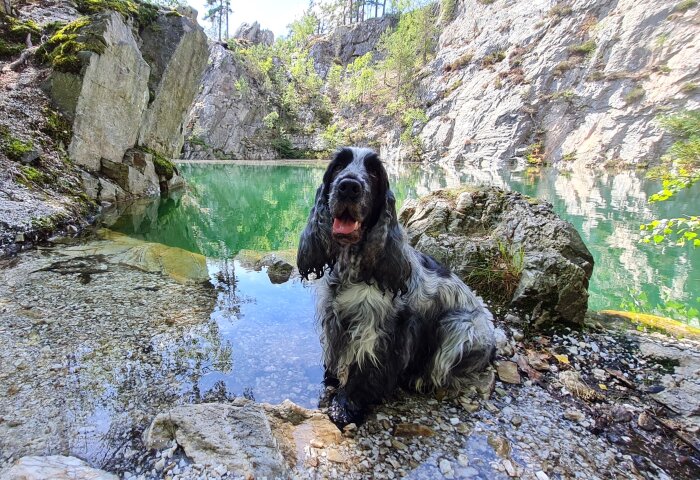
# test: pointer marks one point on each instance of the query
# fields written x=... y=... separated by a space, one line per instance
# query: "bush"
x=684 y=6
x=634 y=95
x=585 y=48
x=460 y=62
x=493 y=58
x=559 y=11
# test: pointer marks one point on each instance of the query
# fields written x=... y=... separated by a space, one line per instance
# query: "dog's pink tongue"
x=344 y=227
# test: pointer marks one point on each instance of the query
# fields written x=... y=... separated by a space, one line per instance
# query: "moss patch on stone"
x=13 y=147
x=62 y=49
x=164 y=167
x=143 y=13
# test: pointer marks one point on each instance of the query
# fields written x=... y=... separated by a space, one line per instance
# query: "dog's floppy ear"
x=384 y=253
x=314 y=254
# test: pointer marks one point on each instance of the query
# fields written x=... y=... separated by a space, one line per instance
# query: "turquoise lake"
x=230 y=207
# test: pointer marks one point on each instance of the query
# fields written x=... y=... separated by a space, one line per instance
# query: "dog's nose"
x=349 y=189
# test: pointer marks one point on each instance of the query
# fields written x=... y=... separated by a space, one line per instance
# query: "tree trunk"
x=221 y=16
x=228 y=7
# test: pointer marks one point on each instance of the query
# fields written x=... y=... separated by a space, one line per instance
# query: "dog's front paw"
x=342 y=411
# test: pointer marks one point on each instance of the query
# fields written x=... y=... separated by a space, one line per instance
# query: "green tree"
x=680 y=170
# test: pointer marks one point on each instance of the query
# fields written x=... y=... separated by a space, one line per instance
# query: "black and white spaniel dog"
x=389 y=315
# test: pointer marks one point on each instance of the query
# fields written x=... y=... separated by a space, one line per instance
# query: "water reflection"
x=230 y=207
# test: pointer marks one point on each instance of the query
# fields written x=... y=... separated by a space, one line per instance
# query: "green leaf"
x=658 y=238
x=696 y=243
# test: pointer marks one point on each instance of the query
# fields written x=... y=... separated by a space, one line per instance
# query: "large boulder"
x=227 y=120
x=129 y=101
x=347 y=42
x=513 y=250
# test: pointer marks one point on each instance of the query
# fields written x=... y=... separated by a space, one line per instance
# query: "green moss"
x=31 y=175
x=62 y=49
x=13 y=147
x=143 y=13
x=634 y=95
x=585 y=48
x=173 y=13
x=164 y=167
x=685 y=5
x=17 y=30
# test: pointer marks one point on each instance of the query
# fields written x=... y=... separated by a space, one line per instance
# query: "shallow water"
x=102 y=336
x=230 y=207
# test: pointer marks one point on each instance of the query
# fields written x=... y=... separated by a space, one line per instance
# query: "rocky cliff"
x=129 y=99
x=239 y=92
x=95 y=107
x=576 y=83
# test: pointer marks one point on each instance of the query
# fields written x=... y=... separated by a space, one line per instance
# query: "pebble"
x=508 y=372
x=446 y=468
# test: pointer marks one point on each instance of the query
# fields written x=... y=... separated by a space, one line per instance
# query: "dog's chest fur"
x=360 y=316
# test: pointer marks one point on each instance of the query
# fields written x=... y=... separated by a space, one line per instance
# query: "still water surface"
x=231 y=207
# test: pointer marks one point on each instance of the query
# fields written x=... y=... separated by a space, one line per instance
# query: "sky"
x=274 y=15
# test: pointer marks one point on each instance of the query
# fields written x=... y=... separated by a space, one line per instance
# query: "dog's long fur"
x=389 y=315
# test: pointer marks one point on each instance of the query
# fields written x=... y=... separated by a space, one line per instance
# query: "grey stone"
x=553 y=263
x=237 y=436
x=55 y=467
x=254 y=34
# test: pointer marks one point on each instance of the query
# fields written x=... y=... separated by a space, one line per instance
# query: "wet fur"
x=389 y=315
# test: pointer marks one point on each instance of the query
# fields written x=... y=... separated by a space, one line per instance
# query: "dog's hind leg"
x=466 y=344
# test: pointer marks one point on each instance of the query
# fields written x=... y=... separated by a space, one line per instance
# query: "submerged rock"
x=54 y=467
x=179 y=264
x=513 y=250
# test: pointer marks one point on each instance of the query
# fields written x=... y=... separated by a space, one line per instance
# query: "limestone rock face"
x=227 y=118
x=514 y=251
x=347 y=42
x=176 y=49
x=250 y=439
x=55 y=467
x=112 y=100
x=586 y=79
x=254 y=34
x=131 y=99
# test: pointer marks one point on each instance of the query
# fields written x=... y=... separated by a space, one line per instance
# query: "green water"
x=230 y=207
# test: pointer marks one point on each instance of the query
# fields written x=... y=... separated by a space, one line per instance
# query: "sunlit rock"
x=512 y=250
x=54 y=467
x=248 y=438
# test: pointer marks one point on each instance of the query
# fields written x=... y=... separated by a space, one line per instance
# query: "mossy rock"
x=63 y=48
x=143 y=13
x=13 y=147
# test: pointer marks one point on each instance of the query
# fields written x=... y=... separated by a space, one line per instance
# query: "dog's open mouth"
x=345 y=224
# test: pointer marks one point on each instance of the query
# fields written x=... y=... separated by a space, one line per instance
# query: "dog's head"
x=355 y=208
